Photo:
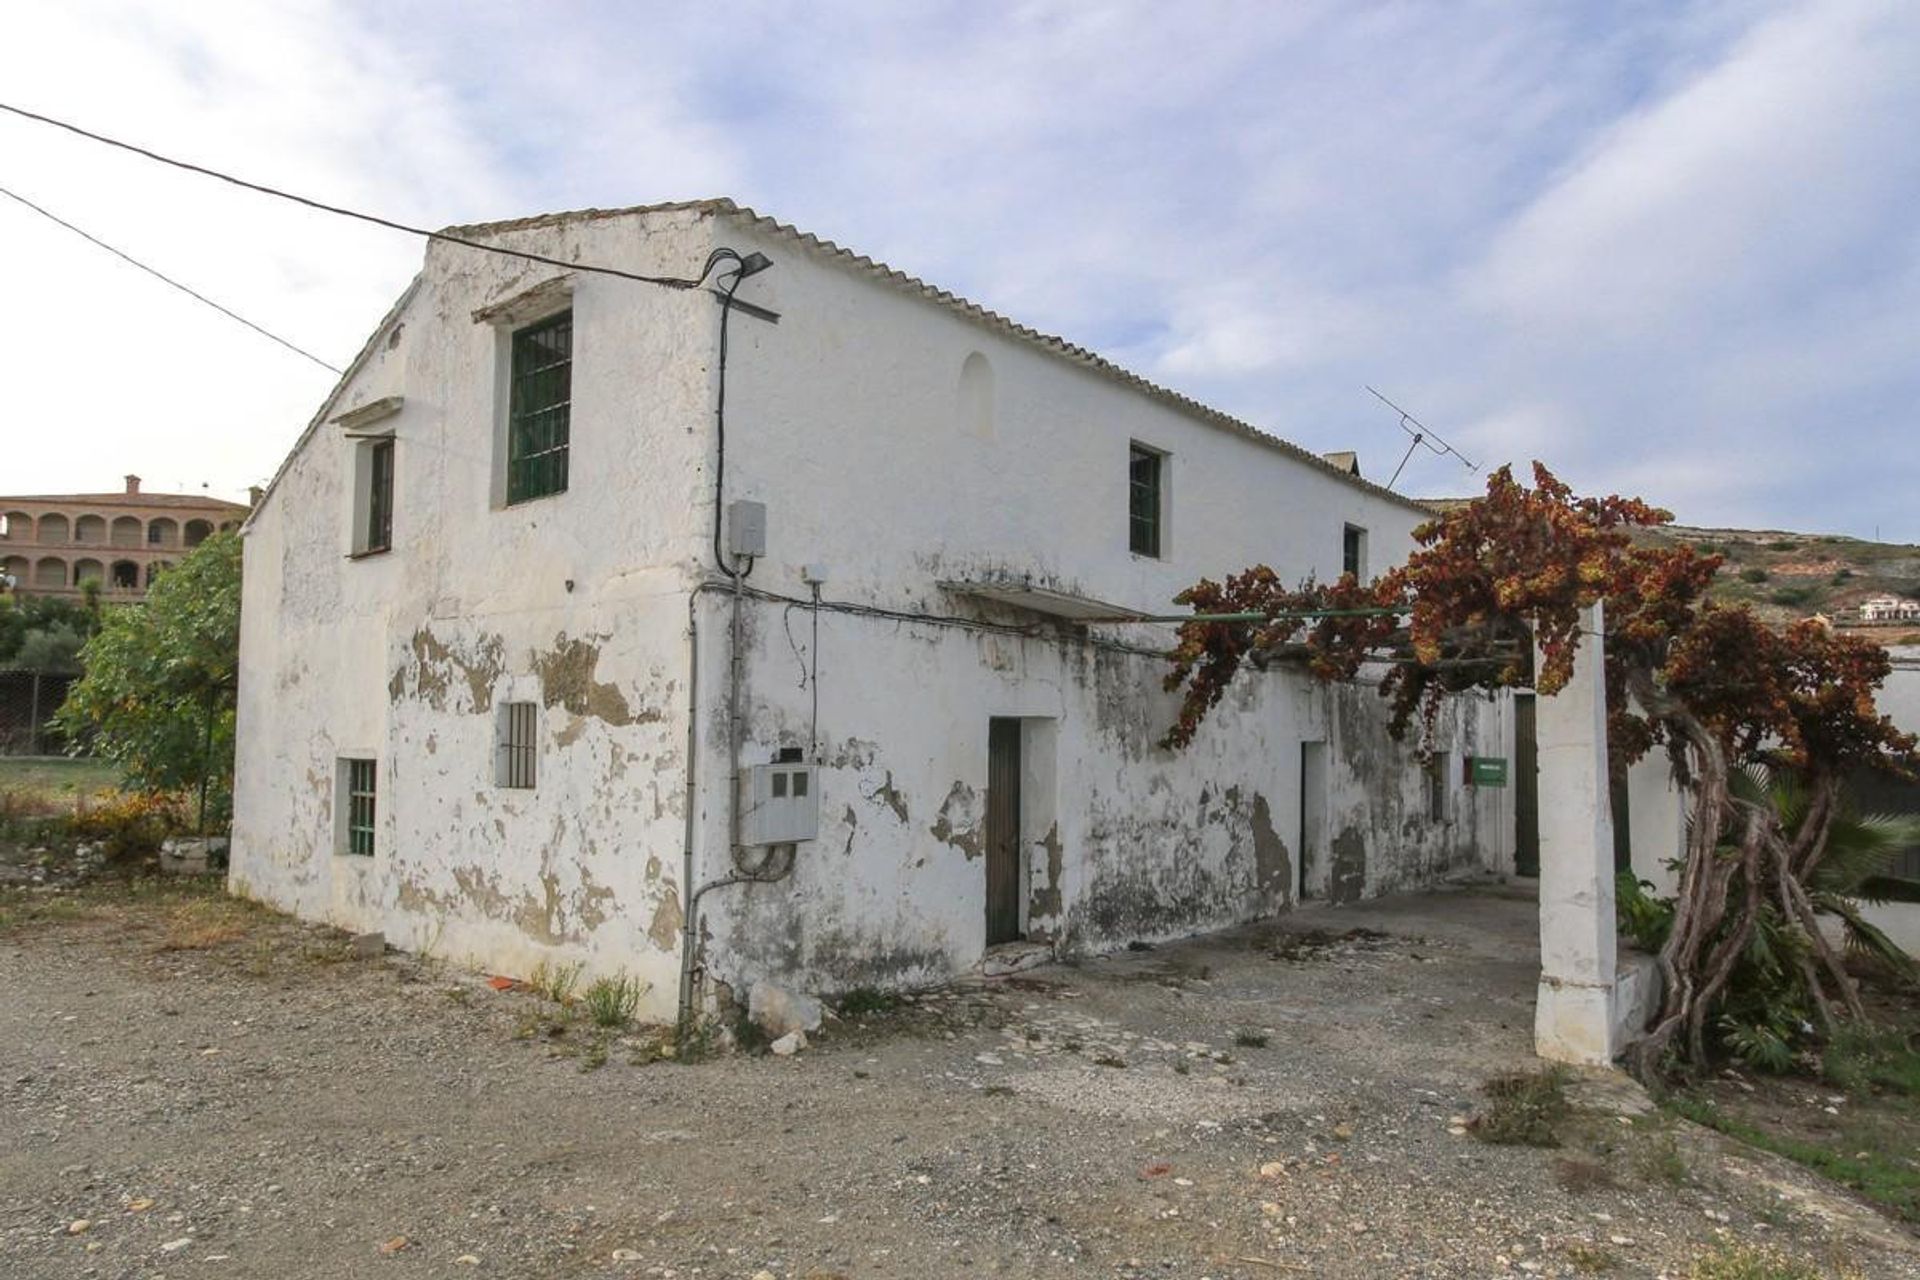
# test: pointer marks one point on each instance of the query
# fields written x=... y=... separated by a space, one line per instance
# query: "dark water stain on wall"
x=1347 y=877
x=1272 y=862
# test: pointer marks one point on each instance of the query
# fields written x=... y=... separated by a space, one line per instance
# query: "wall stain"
x=853 y=827
x=436 y=666
x=1347 y=880
x=888 y=794
x=958 y=823
x=1270 y=857
x=665 y=929
x=1046 y=900
x=566 y=679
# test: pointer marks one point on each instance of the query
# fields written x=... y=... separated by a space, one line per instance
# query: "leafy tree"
x=1718 y=689
x=46 y=633
x=158 y=694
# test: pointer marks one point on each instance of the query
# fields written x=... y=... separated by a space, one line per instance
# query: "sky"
x=1670 y=249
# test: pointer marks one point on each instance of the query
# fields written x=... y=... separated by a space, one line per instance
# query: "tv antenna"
x=1422 y=435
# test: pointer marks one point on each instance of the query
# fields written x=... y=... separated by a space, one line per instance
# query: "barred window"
x=1353 y=552
x=357 y=784
x=539 y=409
x=515 y=757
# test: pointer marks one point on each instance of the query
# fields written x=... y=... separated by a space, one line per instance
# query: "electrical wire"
x=161 y=276
x=669 y=282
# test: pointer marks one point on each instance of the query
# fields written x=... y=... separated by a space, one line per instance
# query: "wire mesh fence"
x=28 y=701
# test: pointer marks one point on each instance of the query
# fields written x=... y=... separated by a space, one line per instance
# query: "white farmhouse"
x=1889 y=609
x=523 y=602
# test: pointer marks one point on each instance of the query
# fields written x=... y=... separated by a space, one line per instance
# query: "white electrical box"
x=781 y=805
x=747 y=528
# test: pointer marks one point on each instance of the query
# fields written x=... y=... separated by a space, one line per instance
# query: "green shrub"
x=611 y=1002
x=1754 y=574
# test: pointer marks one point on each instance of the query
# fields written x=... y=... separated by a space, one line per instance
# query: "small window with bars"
x=1144 y=500
x=540 y=399
x=357 y=784
x=516 y=758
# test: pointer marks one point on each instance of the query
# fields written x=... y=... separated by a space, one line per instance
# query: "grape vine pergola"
x=1498 y=594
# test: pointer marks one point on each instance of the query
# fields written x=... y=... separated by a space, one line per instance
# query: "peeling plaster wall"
x=576 y=602
x=1128 y=842
x=948 y=451
x=896 y=443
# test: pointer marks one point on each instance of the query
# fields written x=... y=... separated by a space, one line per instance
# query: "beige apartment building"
x=55 y=544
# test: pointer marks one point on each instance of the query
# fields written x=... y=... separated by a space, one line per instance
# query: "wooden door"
x=1003 y=830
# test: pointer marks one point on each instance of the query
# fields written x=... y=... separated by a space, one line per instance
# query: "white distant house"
x=539 y=651
x=1889 y=609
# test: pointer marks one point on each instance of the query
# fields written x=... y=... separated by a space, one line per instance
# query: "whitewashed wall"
x=903 y=472
x=576 y=600
x=852 y=419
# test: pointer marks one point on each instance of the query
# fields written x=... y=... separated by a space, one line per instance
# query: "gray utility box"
x=747 y=528
x=781 y=804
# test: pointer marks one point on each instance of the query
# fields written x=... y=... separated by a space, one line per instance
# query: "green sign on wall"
x=1488 y=771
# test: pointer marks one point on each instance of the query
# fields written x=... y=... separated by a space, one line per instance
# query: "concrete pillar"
x=1574 y=1015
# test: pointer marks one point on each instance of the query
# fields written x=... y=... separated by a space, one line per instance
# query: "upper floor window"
x=1146 y=472
x=540 y=396
x=373 y=496
x=1353 y=552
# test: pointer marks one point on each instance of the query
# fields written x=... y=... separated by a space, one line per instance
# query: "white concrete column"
x=1574 y=1015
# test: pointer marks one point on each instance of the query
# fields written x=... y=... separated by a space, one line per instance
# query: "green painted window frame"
x=1146 y=472
x=539 y=408
x=362 y=794
x=379 y=529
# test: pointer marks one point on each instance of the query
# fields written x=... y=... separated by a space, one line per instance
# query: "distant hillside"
x=1792 y=575
x=1795 y=575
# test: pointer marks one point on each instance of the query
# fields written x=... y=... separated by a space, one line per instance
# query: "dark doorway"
x=1620 y=801
x=1313 y=813
x=1003 y=830
x=1526 y=789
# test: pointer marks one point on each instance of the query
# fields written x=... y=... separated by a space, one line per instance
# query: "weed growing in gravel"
x=1742 y=1262
x=862 y=1001
x=1181 y=1067
x=1591 y=1260
x=1249 y=1038
x=1661 y=1161
x=1577 y=1177
x=611 y=1001
x=556 y=981
x=198 y=926
x=595 y=1056
x=1524 y=1109
x=25 y=906
x=1110 y=1060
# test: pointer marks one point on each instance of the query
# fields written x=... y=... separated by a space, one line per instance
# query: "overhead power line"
x=669 y=282
x=161 y=276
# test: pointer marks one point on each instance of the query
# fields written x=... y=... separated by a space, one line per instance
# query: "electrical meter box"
x=782 y=804
x=747 y=528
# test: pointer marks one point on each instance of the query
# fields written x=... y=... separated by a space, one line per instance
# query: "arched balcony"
x=19 y=527
x=85 y=571
x=127 y=532
x=51 y=573
x=125 y=576
x=53 y=532
x=198 y=531
x=163 y=532
x=91 y=531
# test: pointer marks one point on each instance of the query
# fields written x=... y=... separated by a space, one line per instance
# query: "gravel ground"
x=212 y=1091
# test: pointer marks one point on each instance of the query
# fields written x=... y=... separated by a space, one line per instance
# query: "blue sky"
x=1671 y=249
